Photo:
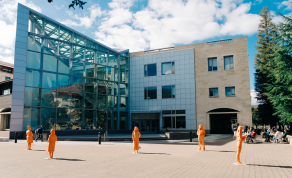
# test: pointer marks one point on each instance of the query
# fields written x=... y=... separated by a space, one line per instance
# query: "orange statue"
x=52 y=141
x=240 y=139
x=135 y=136
x=201 y=134
x=29 y=137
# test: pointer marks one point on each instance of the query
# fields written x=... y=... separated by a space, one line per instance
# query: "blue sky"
x=148 y=24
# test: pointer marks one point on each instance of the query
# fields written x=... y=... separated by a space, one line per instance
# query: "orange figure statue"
x=240 y=139
x=29 y=138
x=52 y=141
x=201 y=134
x=135 y=136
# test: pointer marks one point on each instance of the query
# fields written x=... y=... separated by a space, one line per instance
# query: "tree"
x=256 y=120
x=265 y=44
x=74 y=3
x=281 y=87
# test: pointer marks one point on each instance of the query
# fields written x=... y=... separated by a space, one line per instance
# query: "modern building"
x=179 y=88
x=65 y=80
x=6 y=75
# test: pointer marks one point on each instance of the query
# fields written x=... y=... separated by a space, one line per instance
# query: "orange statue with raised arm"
x=52 y=141
x=201 y=134
x=240 y=139
x=135 y=136
x=29 y=137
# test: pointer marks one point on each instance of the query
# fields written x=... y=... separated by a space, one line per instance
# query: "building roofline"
x=6 y=64
x=44 y=16
x=6 y=81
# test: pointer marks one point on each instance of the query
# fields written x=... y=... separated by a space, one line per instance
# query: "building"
x=204 y=83
x=6 y=75
x=67 y=81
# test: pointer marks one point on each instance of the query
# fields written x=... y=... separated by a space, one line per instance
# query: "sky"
x=140 y=25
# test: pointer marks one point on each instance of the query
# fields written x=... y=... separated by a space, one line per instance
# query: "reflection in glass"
x=124 y=60
x=112 y=88
x=101 y=120
x=123 y=102
x=50 y=63
x=48 y=116
x=89 y=55
x=123 y=89
x=77 y=84
x=76 y=119
x=90 y=85
x=150 y=70
x=112 y=118
x=63 y=119
x=49 y=97
x=78 y=53
x=31 y=96
x=228 y=63
x=89 y=118
x=112 y=60
x=101 y=101
x=102 y=57
x=180 y=122
x=101 y=72
x=167 y=68
x=49 y=80
x=51 y=46
x=77 y=68
x=31 y=116
x=90 y=44
x=65 y=49
x=64 y=81
x=36 y=24
x=89 y=100
x=112 y=102
x=89 y=70
x=32 y=78
x=77 y=100
x=230 y=91
x=51 y=30
x=101 y=88
x=123 y=74
x=34 y=43
x=123 y=120
x=64 y=97
x=150 y=93
x=65 y=34
x=64 y=65
x=33 y=60
x=78 y=39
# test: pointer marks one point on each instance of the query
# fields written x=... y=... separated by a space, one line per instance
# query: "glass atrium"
x=72 y=82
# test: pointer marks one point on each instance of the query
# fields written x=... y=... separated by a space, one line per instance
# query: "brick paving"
x=156 y=159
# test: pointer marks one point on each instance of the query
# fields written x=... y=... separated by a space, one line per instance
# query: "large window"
x=230 y=91
x=150 y=70
x=150 y=93
x=173 y=119
x=213 y=91
x=167 y=68
x=168 y=91
x=212 y=64
x=228 y=63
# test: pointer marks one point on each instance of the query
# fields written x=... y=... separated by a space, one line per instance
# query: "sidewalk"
x=156 y=159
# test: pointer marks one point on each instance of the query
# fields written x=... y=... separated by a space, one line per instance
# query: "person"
x=277 y=135
x=39 y=133
x=201 y=134
x=52 y=142
x=245 y=129
x=264 y=129
x=135 y=136
x=234 y=130
x=240 y=139
x=29 y=137
x=284 y=135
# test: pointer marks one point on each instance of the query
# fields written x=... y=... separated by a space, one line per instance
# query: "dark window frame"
x=171 y=91
x=146 y=72
x=214 y=92
x=230 y=91
x=146 y=97
x=172 y=63
x=212 y=58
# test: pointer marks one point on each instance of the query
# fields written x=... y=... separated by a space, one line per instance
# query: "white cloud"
x=253 y=94
x=8 y=13
x=86 y=21
x=286 y=4
x=166 y=23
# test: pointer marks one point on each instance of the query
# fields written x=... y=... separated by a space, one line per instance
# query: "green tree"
x=265 y=44
x=256 y=119
x=281 y=87
x=74 y=3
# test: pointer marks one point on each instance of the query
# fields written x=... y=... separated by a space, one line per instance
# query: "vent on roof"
x=157 y=50
x=219 y=41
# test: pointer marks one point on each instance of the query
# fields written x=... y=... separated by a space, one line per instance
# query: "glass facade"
x=72 y=82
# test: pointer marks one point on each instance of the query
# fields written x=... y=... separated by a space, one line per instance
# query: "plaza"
x=176 y=158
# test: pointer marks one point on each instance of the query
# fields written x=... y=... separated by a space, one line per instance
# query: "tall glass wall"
x=73 y=83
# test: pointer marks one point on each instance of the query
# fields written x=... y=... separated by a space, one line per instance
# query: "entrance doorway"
x=146 y=126
x=221 y=123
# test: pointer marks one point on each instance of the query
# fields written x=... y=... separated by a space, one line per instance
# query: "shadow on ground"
x=154 y=153
x=65 y=159
x=269 y=166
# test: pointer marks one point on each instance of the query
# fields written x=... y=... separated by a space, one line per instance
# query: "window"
x=212 y=64
x=174 y=119
x=150 y=93
x=228 y=63
x=7 y=78
x=168 y=91
x=213 y=92
x=150 y=70
x=167 y=68
x=230 y=91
